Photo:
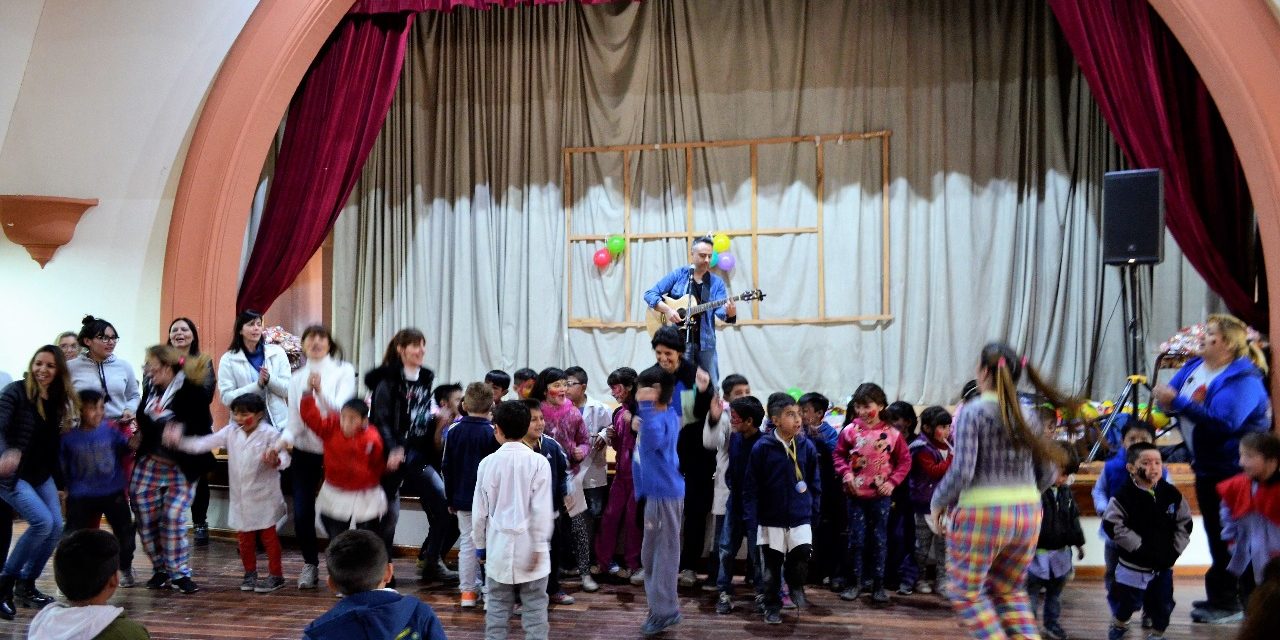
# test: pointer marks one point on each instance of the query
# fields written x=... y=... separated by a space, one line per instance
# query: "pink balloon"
x=602 y=258
x=727 y=261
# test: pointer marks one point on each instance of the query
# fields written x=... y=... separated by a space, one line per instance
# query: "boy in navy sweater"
x=782 y=497
x=359 y=572
x=467 y=443
x=92 y=464
x=546 y=446
x=745 y=415
x=656 y=470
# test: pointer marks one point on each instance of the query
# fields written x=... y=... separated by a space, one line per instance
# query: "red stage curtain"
x=332 y=123
x=1162 y=115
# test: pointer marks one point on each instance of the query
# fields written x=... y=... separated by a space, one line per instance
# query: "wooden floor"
x=220 y=610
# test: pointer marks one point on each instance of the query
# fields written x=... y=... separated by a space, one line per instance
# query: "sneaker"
x=594 y=570
x=1216 y=616
x=250 y=581
x=787 y=603
x=310 y=577
x=924 y=587
x=906 y=589
x=760 y=603
x=637 y=577
x=623 y=574
x=1201 y=604
x=1155 y=635
x=837 y=585
x=799 y=599
x=772 y=616
x=126 y=579
x=589 y=584
x=159 y=580
x=724 y=606
x=563 y=598
x=269 y=584
x=186 y=585
x=880 y=596
x=1053 y=631
x=202 y=535
x=653 y=626
x=1117 y=630
x=468 y=600
x=613 y=569
x=688 y=578
x=849 y=595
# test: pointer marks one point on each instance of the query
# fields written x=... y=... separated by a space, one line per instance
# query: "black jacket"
x=19 y=422
x=190 y=407
x=1150 y=529
x=1061 y=525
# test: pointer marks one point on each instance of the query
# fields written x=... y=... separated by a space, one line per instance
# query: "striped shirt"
x=988 y=467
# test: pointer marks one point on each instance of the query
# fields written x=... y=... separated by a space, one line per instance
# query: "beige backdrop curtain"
x=457 y=225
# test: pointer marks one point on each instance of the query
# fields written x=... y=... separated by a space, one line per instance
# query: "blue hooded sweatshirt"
x=375 y=615
x=1235 y=404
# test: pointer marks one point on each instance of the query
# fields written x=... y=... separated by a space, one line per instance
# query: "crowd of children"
x=887 y=501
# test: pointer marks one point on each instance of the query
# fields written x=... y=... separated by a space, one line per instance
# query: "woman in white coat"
x=335 y=381
x=252 y=366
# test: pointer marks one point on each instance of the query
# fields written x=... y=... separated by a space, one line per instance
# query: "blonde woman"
x=1218 y=397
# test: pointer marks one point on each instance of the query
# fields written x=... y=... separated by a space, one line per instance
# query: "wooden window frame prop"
x=754 y=233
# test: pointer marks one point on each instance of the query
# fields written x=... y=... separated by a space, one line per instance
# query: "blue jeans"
x=40 y=507
x=707 y=361
x=868 y=530
x=442 y=526
x=728 y=542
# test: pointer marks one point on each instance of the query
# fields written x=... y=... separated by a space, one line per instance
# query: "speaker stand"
x=1135 y=345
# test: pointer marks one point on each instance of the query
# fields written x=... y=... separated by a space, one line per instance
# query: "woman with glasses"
x=99 y=369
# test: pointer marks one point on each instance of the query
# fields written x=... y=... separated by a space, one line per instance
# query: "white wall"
x=105 y=96
x=18 y=20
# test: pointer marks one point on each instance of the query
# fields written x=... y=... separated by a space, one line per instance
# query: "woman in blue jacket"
x=1218 y=398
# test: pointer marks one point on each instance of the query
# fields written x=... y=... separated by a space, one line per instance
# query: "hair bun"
x=88 y=320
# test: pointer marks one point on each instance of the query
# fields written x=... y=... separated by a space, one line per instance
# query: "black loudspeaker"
x=1133 y=217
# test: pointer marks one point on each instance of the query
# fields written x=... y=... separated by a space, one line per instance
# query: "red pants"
x=249 y=550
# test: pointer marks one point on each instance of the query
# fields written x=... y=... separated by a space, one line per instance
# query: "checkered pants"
x=161 y=496
x=988 y=551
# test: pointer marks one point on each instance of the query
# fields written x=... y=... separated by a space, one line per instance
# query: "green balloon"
x=617 y=244
x=715 y=258
x=795 y=393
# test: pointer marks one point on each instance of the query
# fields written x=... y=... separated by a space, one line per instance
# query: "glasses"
x=106 y=338
x=573 y=383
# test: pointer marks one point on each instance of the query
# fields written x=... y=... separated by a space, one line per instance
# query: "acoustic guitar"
x=687 y=308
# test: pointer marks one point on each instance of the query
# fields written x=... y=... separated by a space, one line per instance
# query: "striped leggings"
x=988 y=551
x=161 y=496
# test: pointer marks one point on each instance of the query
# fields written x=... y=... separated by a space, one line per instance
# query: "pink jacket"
x=872 y=456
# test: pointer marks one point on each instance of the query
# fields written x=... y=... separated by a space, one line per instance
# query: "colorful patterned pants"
x=988 y=551
x=161 y=496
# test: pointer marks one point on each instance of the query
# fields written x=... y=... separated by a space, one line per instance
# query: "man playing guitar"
x=696 y=279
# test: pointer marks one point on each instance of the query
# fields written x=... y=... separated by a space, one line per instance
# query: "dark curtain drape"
x=332 y=123
x=1162 y=115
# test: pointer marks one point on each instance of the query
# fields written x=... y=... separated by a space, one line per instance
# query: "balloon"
x=602 y=258
x=720 y=243
x=727 y=261
x=795 y=393
x=715 y=259
x=617 y=244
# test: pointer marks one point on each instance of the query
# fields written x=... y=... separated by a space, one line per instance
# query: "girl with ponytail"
x=1002 y=463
